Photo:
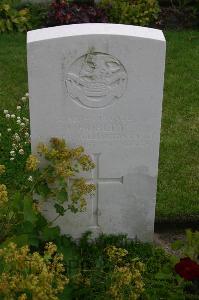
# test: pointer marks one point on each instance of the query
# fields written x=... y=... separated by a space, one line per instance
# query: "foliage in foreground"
x=26 y=275
x=58 y=179
x=109 y=268
x=93 y=273
x=190 y=246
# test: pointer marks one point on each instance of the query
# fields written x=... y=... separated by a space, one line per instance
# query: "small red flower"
x=187 y=268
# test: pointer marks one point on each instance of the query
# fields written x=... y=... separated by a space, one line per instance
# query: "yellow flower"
x=58 y=143
x=86 y=162
x=63 y=169
x=124 y=275
x=42 y=149
x=22 y=297
x=3 y=194
x=2 y=169
x=51 y=248
x=62 y=166
x=32 y=163
x=116 y=254
x=77 y=152
x=31 y=273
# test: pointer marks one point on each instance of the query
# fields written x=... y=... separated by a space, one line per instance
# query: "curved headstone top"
x=94 y=29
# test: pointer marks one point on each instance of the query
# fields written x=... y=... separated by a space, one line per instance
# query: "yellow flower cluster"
x=50 y=248
x=31 y=276
x=58 y=143
x=77 y=152
x=64 y=164
x=61 y=153
x=86 y=162
x=125 y=275
x=63 y=169
x=32 y=163
x=42 y=149
x=79 y=189
x=2 y=169
x=116 y=254
x=3 y=194
x=82 y=280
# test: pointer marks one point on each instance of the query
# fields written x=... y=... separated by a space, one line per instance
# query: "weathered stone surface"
x=101 y=86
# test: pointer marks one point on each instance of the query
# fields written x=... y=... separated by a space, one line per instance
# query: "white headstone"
x=101 y=86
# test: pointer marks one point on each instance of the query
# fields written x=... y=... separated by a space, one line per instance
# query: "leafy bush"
x=25 y=275
x=93 y=272
x=15 y=143
x=187 y=11
x=135 y=12
x=11 y=19
x=58 y=179
x=111 y=267
x=65 y=12
x=38 y=13
x=190 y=246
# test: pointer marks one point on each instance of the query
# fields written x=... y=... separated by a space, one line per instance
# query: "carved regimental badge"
x=96 y=80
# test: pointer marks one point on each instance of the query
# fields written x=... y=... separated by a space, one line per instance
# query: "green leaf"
x=17 y=202
x=29 y=214
x=6 y=7
x=70 y=253
x=2 y=26
x=25 y=228
x=67 y=294
x=163 y=276
x=177 y=245
x=22 y=240
x=59 y=209
x=62 y=196
x=50 y=233
x=9 y=25
x=43 y=189
x=174 y=260
x=41 y=221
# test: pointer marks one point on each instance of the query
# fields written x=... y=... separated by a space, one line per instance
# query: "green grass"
x=13 y=74
x=178 y=182
x=178 y=188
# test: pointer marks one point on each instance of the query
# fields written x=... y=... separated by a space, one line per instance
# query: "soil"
x=165 y=239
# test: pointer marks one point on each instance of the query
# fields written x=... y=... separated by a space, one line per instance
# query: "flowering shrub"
x=65 y=12
x=15 y=143
x=18 y=129
x=3 y=195
x=19 y=219
x=114 y=275
x=3 y=189
x=58 y=179
x=124 y=276
x=135 y=12
x=26 y=275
